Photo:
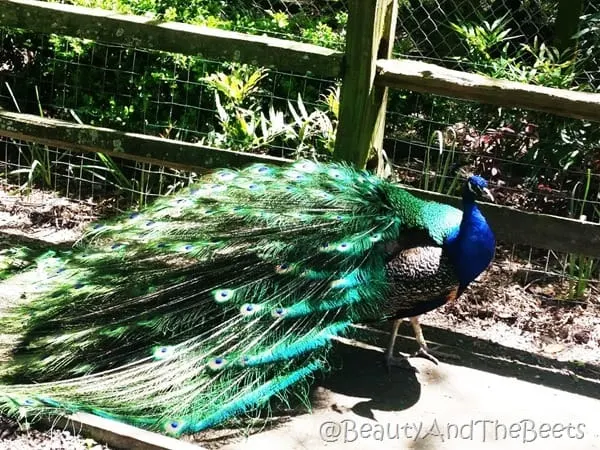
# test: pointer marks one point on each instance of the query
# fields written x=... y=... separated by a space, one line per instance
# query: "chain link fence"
x=536 y=162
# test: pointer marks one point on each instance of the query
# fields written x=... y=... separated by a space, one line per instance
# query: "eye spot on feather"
x=134 y=215
x=344 y=246
x=223 y=295
x=306 y=166
x=187 y=248
x=217 y=187
x=61 y=270
x=217 y=363
x=260 y=169
x=333 y=173
x=150 y=223
x=97 y=226
x=117 y=246
x=161 y=245
x=27 y=402
x=163 y=352
x=325 y=247
x=375 y=237
x=249 y=309
x=78 y=285
x=173 y=427
x=278 y=312
x=325 y=195
x=283 y=268
x=226 y=175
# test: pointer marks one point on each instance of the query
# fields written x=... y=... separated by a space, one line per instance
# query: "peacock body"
x=205 y=305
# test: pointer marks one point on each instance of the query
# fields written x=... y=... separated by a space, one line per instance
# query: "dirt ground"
x=504 y=324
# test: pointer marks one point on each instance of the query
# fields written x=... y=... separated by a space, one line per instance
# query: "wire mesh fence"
x=536 y=162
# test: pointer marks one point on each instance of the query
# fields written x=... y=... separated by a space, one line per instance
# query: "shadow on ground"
x=491 y=357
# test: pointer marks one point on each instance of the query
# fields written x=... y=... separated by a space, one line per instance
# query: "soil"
x=525 y=314
x=503 y=306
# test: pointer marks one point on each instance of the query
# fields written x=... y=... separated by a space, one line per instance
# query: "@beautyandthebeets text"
x=525 y=431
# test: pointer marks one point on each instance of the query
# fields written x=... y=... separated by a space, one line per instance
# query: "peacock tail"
x=208 y=303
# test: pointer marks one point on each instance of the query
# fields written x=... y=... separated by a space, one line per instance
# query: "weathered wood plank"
x=145 y=32
x=510 y=225
x=370 y=35
x=131 y=146
x=538 y=230
x=119 y=435
x=433 y=79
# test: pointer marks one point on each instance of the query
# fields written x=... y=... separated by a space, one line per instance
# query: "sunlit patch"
x=223 y=295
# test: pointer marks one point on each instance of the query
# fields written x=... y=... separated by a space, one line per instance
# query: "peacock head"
x=476 y=188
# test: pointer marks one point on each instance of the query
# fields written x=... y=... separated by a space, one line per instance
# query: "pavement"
x=490 y=396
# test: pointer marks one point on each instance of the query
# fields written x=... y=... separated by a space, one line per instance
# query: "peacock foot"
x=430 y=354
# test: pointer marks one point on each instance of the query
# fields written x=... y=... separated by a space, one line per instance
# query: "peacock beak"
x=487 y=194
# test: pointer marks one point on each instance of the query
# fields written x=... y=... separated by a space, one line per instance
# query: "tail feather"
x=207 y=303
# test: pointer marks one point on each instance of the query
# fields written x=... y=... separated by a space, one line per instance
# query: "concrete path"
x=495 y=398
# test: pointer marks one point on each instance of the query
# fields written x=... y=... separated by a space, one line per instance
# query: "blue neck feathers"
x=471 y=247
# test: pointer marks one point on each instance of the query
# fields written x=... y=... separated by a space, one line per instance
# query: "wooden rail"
x=509 y=224
x=148 y=33
x=130 y=146
x=429 y=78
x=119 y=435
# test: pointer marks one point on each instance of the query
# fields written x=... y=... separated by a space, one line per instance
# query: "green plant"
x=444 y=163
x=37 y=158
x=489 y=51
x=245 y=126
x=580 y=267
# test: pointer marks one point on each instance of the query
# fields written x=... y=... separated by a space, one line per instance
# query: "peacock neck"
x=471 y=248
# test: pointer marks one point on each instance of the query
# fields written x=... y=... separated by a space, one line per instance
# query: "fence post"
x=370 y=36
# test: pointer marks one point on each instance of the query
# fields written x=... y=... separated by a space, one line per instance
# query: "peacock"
x=199 y=309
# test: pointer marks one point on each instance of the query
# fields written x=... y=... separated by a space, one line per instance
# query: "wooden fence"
x=366 y=70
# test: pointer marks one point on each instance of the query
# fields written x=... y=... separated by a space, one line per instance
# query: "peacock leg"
x=390 y=359
x=423 y=349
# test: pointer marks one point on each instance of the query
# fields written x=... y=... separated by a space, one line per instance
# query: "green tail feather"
x=206 y=304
